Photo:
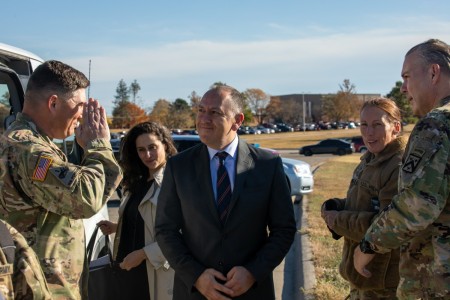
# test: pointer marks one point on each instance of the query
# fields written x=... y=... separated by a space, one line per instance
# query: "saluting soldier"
x=44 y=196
x=418 y=219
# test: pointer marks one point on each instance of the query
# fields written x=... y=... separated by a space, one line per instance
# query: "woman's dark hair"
x=132 y=166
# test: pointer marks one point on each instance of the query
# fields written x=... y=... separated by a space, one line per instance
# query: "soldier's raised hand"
x=94 y=125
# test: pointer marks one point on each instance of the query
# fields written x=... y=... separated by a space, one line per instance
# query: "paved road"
x=313 y=160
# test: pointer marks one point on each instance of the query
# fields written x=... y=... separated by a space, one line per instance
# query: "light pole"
x=303 y=111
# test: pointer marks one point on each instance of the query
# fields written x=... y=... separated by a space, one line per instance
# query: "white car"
x=298 y=173
x=300 y=177
x=16 y=66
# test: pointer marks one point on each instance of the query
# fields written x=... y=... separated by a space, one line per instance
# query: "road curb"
x=308 y=274
x=294 y=278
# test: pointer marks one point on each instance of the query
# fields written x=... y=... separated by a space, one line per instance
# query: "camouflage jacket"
x=45 y=198
x=23 y=279
x=418 y=219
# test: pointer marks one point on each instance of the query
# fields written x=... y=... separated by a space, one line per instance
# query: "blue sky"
x=175 y=47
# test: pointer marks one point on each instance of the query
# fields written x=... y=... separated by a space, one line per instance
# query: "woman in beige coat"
x=371 y=189
x=147 y=274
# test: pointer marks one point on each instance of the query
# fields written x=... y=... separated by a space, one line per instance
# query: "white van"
x=16 y=66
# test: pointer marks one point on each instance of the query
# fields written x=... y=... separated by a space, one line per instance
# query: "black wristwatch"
x=365 y=247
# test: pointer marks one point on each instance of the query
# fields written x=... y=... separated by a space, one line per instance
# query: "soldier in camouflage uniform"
x=418 y=220
x=43 y=195
x=23 y=279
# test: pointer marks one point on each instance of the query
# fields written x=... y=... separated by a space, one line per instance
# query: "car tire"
x=362 y=150
x=307 y=152
x=341 y=152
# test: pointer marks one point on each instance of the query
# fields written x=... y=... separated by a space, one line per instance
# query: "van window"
x=7 y=91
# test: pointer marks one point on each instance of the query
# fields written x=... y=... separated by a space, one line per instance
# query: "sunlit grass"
x=331 y=181
x=295 y=140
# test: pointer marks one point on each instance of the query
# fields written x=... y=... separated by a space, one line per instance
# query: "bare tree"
x=257 y=100
x=344 y=105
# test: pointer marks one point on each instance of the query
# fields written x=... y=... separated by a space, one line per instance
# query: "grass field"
x=331 y=181
x=295 y=140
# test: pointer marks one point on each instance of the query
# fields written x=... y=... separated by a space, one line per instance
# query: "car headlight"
x=302 y=169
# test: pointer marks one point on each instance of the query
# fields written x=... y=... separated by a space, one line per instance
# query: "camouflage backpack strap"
x=7 y=243
x=7 y=256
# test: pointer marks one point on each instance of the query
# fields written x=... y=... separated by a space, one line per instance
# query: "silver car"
x=299 y=175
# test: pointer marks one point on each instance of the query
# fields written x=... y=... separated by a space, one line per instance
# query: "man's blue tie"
x=223 y=187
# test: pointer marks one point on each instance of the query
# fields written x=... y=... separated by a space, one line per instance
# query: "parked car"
x=330 y=146
x=254 y=130
x=285 y=128
x=358 y=144
x=298 y=173
x=189 y=131
x=115 y=144
x=242 y=130
x=177 y=131
x=273 y=127
x=16 y=66
x=265 y=129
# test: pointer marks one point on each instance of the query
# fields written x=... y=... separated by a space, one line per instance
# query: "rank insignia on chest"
x=42 y=166
x=412 y=161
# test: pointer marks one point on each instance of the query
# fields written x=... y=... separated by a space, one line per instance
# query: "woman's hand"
x=107 y=227
x=133 y=259
x=329 y=216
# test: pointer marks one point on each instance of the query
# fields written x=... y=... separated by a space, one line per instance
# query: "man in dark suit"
x=224 y=221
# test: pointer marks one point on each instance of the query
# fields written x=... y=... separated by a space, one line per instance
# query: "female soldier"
x=372 y=187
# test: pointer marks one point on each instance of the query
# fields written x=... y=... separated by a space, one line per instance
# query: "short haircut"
x=54 y=77
x=237 y=100
x=434 y=51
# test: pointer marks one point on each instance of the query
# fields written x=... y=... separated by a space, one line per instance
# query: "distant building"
x=313 y=103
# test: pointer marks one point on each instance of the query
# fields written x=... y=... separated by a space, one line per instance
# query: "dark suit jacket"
x=257 y=234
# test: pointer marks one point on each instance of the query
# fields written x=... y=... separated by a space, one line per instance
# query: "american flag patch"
x=40 y=172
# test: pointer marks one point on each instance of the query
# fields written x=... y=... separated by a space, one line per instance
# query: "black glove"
x=331 y=204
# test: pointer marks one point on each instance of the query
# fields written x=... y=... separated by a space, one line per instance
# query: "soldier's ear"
x=435 y=72
x=52 y=102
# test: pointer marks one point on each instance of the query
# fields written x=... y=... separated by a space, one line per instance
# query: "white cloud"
x=371 y=58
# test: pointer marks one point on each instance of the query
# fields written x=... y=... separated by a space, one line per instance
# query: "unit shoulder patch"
x=63 y=174
x=413 y=160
